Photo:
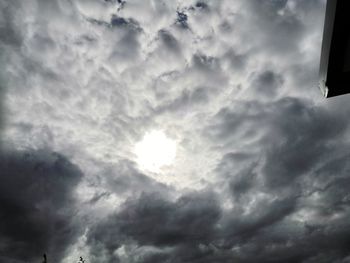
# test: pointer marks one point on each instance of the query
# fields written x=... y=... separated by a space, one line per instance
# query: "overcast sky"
x=261 y=172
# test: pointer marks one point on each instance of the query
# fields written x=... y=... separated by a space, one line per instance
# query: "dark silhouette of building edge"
x=335 y=55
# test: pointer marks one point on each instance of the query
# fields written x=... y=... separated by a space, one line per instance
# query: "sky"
x=177 y=131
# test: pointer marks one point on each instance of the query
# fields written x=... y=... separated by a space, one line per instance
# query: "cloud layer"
x=261 y=172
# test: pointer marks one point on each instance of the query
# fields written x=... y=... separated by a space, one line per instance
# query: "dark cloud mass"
x=262 y=171
x=37 y=205
x=155 y=222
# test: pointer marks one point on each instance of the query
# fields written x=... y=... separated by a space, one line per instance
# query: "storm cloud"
x=37 y=205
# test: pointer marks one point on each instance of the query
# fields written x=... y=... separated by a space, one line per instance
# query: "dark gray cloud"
x=9 y=31
x=154 y=221
x=299 y=157
x=267 y=83
x=169 y=41
x=289 y=147
x=37 y=205
x=195 y=228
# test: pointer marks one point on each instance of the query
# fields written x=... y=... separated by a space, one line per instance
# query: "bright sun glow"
x=155 y=151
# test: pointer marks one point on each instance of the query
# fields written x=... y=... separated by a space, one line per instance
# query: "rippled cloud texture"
x=262 y=166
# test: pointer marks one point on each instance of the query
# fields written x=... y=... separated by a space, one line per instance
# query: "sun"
x=155 y=151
